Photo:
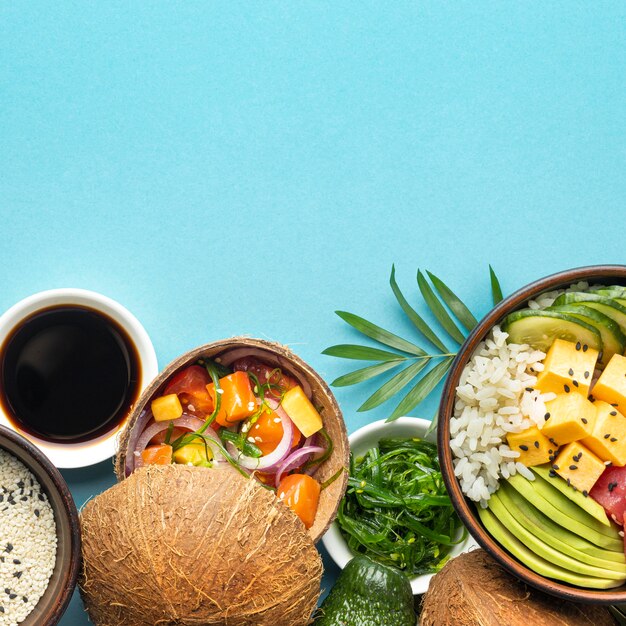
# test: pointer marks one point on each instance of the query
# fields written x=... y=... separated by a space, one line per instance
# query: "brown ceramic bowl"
x=280 y=356
x=595 y=274
x=57 y=596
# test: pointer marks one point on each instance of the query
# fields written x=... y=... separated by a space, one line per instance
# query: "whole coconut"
x=473 y=590
x=179 y=545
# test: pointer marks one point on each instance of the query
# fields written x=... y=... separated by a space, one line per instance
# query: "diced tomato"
x=157 y=455
x=160 y=437
x=237 y=399
x=190 y=385
x=266 y=374
x=610 y=492
x=268 y=431
x=301 y=494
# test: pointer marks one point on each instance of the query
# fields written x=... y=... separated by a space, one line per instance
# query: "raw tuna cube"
x=610 y=492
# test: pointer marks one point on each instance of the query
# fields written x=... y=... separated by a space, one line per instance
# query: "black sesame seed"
x=566 y=387
x=573 y=467
x=12 y=596
x=571 y=372
x=536 y=444
x=613 y=439
x=592 y=399
x=607 y=435
x=600 y=355
x=555 y=467
x=24 y=498
x=569 y=482
x=17 y=562
x=583 y=420
x=524 y=448
x=9 y=547
x=36 y=512
x=20 y=484
x=1 y=609
x=612 y=486
x=575 y=383
x=585 y=493
x=585 y=348
x=17 y=574
x=529 y=389
x=613 y=413
x=578 y=345
x=545 y=417
x=614 y=404
x=7 y=591
x=24 y=599
x=586 y=374
x=1 y=559
x=41 y=497
x=552 y=473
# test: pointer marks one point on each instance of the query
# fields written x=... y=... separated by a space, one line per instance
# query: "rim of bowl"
x=85 y=453
x=34 y=458
x=333 y=540
x=599 y=273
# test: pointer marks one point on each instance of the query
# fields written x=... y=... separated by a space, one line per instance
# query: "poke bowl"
x=251 y=406
x=532 y=434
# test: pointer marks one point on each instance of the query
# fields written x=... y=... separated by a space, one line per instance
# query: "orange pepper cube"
x=237 y=400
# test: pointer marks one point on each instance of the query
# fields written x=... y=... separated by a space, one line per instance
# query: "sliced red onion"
x=229 y=357
x=139 y=427
x=269 y=462
x=295 y=459
x=187 y=421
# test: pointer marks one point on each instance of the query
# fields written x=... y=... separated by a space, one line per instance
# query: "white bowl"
x=68 y=455
x=360 y=441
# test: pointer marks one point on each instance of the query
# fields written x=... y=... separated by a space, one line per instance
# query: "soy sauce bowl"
x=89 y=450
x=54 y=601
x=362 y=440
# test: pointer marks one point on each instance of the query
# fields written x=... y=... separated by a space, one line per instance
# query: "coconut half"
x=279 y=356
x=178 y=545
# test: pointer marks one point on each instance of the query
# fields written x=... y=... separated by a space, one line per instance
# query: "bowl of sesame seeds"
x=39 y=536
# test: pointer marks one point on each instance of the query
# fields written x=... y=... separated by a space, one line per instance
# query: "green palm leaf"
x=437 y=309
x=413 y=315
x=462 y=313
x=361 y=375
x=496 y=290
x=362 y=353
x=421 y=389
x=380 y=334
x=393 y=385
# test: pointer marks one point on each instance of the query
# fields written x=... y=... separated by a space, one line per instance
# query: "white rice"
x=544 y=300
x=495 y=396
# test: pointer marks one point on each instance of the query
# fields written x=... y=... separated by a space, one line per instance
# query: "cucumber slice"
x=540 y=328
x=613 y=339
x=612 y=291
x=605 y=305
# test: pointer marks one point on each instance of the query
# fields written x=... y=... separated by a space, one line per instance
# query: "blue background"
x=224 y=168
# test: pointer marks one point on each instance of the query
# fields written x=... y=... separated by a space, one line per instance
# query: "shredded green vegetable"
x=397 y=510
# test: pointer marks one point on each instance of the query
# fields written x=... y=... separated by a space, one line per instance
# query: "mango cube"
x=166 y=408
x=302 y=413
x=195 y=453
x=570 y=416
x=579 y=466
x=608 y=437
x=567 y=365
x=611 y=386
x=534 y=447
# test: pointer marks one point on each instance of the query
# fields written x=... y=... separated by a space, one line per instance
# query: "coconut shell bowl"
x=58 y=594
x=276 y=355
x=597 y=274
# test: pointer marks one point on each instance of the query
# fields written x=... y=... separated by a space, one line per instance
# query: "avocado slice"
x=564 y=512
x=543 y=549
x=586 y=503
x=536 y=563
x=532 y=518
x=613 y=340
x=608 y=306
x=539 y=329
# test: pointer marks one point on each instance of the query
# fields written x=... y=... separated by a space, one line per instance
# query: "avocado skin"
x=368 y=594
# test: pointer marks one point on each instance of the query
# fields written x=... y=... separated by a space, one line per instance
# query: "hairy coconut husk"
x=188 y=547
x=473 y=590
x=322 y=398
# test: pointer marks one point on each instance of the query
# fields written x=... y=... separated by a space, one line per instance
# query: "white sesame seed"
x=220 y=390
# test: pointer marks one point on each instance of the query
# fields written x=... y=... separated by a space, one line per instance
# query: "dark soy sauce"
x=68 y=374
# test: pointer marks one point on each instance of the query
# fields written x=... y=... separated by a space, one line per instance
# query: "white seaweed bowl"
x=360 y=441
